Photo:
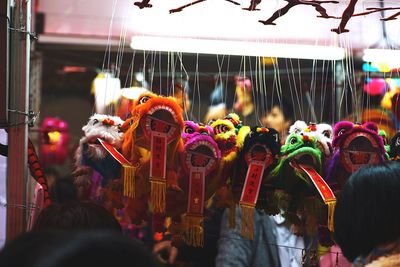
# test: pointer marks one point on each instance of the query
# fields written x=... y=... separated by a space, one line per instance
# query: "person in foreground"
x=75 y=248
x=367 y=217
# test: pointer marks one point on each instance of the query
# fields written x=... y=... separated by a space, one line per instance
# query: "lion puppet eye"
x=144 y=99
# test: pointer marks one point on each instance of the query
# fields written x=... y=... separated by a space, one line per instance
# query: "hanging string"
x=290 y=81
x=152 y=69
x=254 y=89
x=226 y=79
x=242 y=62
x=107 y=53
x=297 y=88
x=182 y=66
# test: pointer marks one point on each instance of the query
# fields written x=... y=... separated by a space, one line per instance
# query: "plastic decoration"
x=37 y=173
x=244 y=99
x=53 y=148
x=375 y=86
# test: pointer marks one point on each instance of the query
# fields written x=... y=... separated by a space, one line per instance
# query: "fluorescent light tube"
x=389 y=57
x=237 y=48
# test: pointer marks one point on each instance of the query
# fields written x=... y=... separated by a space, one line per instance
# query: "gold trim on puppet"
x=161 y=118
x=259 y=152
x=353 y=159
x=201 y=154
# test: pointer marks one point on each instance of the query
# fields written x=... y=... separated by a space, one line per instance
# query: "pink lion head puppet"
x=355 y=145
x=199 y=162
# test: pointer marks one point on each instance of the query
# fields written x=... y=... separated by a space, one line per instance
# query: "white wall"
x=3 y=192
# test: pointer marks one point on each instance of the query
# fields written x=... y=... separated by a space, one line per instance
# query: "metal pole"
x=18 y=131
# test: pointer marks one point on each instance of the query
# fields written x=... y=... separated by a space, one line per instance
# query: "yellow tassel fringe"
x=331 y=211
x=247 y=228
x=157 y=195
x=194 y=234
x=128 y=173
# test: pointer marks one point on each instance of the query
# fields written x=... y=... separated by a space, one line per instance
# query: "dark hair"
x=76 y=216
x=78 y=249
x=367 y=210
x=63 y=190
x=286 y=107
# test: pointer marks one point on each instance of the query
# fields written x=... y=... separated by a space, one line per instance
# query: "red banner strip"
x=158 y=159
x=323 y=188
x=196 y=191
x=252 y=183
x=114 y=152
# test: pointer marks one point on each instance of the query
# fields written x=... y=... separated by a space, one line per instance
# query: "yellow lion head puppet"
x=229 y=134
x=151 y=144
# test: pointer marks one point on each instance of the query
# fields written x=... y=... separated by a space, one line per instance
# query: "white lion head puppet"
x=91 y=154
x=322 y=132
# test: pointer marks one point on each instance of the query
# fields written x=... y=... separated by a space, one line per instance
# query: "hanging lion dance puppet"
x=256 y=159
x=229 y=134
x=152 y=142
x=101 y=132
x=323 y=133
x=91 y=153
x=298 y=190
x=198 y=181
x=356 y=145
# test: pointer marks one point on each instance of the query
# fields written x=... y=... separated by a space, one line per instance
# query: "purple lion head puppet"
x=355 y=145
x=198 y=180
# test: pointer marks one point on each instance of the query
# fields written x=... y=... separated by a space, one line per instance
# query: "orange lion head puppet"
x=151 y=144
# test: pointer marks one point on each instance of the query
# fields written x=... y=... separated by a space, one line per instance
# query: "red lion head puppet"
x=355 y=145
x=151 y=141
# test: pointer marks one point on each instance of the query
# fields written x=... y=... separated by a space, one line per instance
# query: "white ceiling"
x=215 y=19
